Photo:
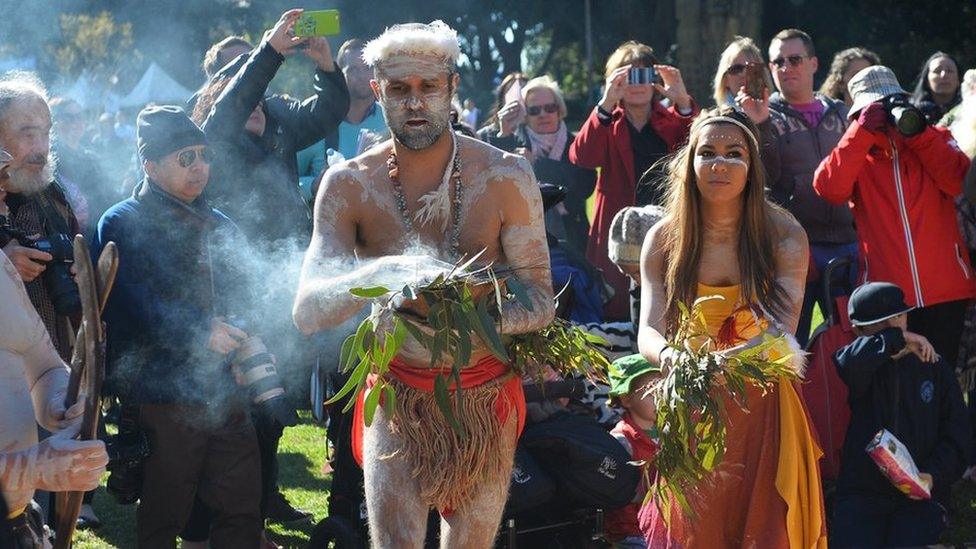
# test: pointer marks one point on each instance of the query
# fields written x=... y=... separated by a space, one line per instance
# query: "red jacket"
x=906 y=219
x=608 y=147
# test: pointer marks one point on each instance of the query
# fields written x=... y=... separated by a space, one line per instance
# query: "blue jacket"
x=919 y=403
x=175 y=260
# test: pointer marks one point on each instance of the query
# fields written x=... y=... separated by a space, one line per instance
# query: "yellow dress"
x=766 y=492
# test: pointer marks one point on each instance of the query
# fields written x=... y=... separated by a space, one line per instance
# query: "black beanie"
x=161 y=130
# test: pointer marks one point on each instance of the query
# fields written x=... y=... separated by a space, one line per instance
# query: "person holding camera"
x=644 y=115
x=169 y=345
x=36 y=220
x=256 y=138
x=901 y=177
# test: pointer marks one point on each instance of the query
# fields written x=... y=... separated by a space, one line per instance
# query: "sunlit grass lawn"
x=300 y=456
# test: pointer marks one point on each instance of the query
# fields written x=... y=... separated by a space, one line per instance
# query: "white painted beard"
x=27 y=182
x=418 y=139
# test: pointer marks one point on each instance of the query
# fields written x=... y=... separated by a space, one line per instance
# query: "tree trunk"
x=705 y=27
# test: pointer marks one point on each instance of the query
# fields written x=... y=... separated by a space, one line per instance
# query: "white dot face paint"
x=721 y=160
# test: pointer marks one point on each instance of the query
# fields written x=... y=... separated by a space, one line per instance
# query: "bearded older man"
x=35 y=205
x=453 y=195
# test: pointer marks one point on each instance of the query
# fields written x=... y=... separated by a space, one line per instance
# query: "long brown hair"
x=684 y=241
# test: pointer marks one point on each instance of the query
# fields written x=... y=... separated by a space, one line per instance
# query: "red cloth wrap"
x=511 y=398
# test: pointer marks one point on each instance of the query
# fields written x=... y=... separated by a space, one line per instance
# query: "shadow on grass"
x=295 y=471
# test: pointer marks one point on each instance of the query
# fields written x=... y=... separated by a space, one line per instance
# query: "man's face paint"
x=415 y=92
x=721 y=162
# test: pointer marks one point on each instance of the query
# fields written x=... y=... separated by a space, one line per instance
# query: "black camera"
x=905 y=117
x=253 y=362
x=127 y=451
x=57 y=277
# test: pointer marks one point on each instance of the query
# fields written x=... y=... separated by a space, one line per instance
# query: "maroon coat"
x=608 y=147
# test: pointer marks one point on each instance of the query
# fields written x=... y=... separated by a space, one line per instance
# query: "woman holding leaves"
x=747 y=474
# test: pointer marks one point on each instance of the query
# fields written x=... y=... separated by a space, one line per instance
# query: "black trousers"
x=942 y=325
x=217 y=464
x=268 y=433
x=866 y=521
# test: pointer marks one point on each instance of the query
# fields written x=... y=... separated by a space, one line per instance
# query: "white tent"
x=156 y=86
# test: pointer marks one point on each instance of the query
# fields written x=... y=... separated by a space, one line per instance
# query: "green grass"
x=300 y=458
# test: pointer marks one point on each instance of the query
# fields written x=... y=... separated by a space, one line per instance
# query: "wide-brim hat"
x=876 y=302
x=872 y=84
x=625 y=370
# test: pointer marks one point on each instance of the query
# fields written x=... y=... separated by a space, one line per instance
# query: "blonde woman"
x=730 y=78
x=722 y=237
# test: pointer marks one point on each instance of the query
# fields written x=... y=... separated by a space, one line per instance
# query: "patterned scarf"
x=550 y=145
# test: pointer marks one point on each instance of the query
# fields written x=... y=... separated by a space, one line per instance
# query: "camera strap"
x=52 y=218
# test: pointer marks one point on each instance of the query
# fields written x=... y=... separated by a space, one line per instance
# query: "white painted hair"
x=433 y=39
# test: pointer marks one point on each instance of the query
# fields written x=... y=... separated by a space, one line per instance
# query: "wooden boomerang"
x=87 y=364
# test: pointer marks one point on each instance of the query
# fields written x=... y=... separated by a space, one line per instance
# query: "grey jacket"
x=791 y=159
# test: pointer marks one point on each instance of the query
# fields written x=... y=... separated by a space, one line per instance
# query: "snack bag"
x=891 y=456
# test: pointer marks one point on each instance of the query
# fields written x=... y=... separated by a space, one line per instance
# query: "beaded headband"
x=730 y=120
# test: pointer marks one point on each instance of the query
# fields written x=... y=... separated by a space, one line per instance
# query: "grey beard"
x=23 y=182
x=422 y=138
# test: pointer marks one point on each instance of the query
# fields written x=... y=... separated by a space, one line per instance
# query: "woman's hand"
x=282 y=37
x=613 y=92
x=756 y=109
x=673 y=87
x=509 y=117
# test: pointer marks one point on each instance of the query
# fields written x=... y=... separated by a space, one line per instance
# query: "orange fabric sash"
x=511 y=399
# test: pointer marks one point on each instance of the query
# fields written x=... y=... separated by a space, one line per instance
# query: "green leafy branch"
x=692 y=397
x=444 y=315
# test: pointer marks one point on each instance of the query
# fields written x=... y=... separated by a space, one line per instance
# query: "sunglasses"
x=794 y=60
x=736 y=69
x=186 y=158
x=537 y=110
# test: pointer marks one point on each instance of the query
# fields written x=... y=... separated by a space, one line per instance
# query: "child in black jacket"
x=896 y=382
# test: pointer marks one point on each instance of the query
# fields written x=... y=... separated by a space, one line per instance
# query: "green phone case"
x=318 y=23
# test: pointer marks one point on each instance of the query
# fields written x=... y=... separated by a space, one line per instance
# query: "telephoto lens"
x=254 y=364
x=907 y=118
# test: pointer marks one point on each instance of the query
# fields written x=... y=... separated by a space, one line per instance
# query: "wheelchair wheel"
x=335 y=532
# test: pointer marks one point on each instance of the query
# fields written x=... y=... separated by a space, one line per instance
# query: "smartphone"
x=755 y=80
x=317 y=23
x=514 y=93
x=641 y=75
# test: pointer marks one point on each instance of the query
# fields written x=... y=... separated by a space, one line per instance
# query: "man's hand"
x=756 y=109
x=282 y=37
x=320 y=51
x=509 y=117
x=224 y=338
x=614 y=90
x=27 y=261
x=873 y=118
x=673 y=87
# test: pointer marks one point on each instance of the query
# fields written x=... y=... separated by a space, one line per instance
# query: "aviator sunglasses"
x=537 y=110
x=186 y=158
x=794 y=60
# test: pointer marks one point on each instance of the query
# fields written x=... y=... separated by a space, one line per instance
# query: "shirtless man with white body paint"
x=33 y=384
x=404 y=192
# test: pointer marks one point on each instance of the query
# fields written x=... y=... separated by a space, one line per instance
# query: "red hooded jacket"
x=901 y=191
x=607 y=146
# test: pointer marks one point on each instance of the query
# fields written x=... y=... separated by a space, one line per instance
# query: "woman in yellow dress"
x=722 y=237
